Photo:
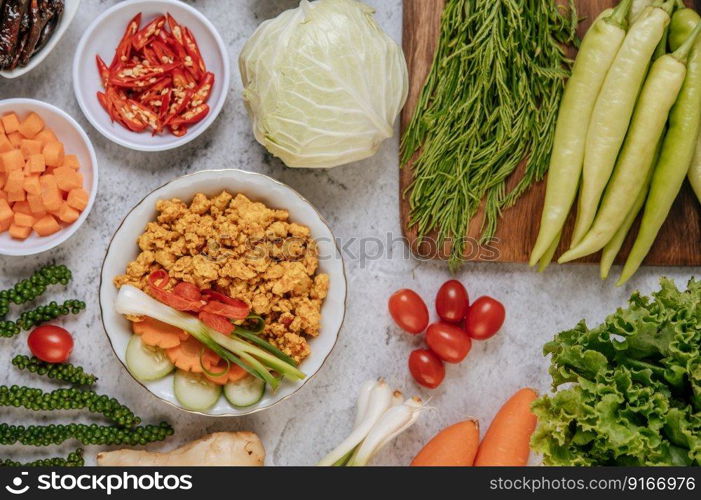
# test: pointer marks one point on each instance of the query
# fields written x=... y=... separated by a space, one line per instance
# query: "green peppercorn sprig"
x=64 y=372
x=9 y=329
x=53 y=310
x=74 y=459
x=68 y=399
x=34 y=286
x=93 y=434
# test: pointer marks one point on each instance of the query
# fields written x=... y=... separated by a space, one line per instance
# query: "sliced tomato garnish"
x=187 y=291
x=238 y=311
x=216 y=322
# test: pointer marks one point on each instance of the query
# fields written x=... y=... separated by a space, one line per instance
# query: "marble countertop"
x=361 y=202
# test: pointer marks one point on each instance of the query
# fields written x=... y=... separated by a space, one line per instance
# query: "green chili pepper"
x=547 y=257
x=677 y=154
x=613 y=110
x=610 y=251
x=596 y=54
x=657 y=97
x=683 y=23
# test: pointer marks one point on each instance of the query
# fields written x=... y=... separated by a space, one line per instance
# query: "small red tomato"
x=452 y=302
x=448 y=342
x=50 y=343
x=408 y=310
x=484 y=318
x=426 y=368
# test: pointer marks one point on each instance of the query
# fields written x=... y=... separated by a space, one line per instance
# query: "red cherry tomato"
x=426 y=368
x=408 y=310
x=50 y=343
x=484 y=318
x=452 y=302
x=448 y=342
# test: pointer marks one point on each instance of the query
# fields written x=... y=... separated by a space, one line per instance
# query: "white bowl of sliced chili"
x=152 y=94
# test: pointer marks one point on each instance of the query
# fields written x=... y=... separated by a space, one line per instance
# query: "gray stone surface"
x=360 y=201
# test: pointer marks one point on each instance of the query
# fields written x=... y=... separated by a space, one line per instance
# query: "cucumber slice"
x=194 y=391
x=146 y=363
x=245 y=392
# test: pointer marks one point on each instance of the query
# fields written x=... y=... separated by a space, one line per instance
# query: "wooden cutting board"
x=679 y=240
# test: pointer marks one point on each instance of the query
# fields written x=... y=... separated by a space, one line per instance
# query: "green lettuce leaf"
x=628 y=392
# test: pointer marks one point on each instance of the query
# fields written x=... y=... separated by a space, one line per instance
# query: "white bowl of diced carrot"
x=48 y=176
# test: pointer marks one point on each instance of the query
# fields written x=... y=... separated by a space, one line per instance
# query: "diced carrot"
x=186 y=355
x=12 y=160
x=71 y=161
x=15 y=181
x=31 y=126
x=23 y=220
x=15 y=139
x=30 y=147
x=32 y=185
x=5 y=144
x=35 y=203
x=67 y=178
x=48 y=181
x=15 y=196
x=19 y=232
x=46 y=226
x=5 y=225
x=46 y=135
x=6 y=212
x=22 y=207
x=78 y=199
x=2 y=128
x=36 y=163
x=3 y=195
x=53 y=154
x=154 y=332
x=52 y=200
x=67 y=214
x=10 y=122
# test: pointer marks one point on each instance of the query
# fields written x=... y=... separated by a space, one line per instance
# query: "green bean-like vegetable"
x=53 y=310
x=45 y=435
x=35 y=399
x=695 y=170
x=489 y=102
x=613 y=110
x=74 y=459
x=596 y=55
x=677 y=153
x=64 y=372
x=34 y=286
x=547 y=257
x=635 y=161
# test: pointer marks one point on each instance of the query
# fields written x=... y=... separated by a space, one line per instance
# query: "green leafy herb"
x=635 y=393
x=489 y=102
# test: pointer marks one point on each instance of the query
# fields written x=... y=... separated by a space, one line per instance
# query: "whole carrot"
x=507 y=440
x=454 y=446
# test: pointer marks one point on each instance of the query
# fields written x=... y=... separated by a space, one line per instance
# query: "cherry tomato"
x=452 y=302
x=426 y=368
x=408 y=310
x=50 y=343
x=448 y=342
x=484 y=318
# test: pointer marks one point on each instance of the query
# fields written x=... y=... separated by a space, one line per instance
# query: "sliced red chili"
x=187 y=291
x=203 y=90
x=239 y=311
x=216 y=322
x=123 y=52
x=175 y=29
x=159 y=279
x=103 y=70
x=193 y=51
x=164 y=54
x=146 y=34
x=151 y=57
x=140 y=76
x=191 y=116
x=144 y=113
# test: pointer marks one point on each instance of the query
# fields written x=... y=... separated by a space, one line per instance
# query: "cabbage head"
x=323 y=83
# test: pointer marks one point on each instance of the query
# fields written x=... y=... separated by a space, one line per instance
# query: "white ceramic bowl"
x=103 y=36
x=75 y=141
x=69 y=10
x=123 y=249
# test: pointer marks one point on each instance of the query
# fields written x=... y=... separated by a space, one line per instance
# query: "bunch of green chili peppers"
x=641 y=106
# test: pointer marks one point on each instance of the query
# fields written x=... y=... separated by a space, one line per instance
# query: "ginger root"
x=220 y=448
